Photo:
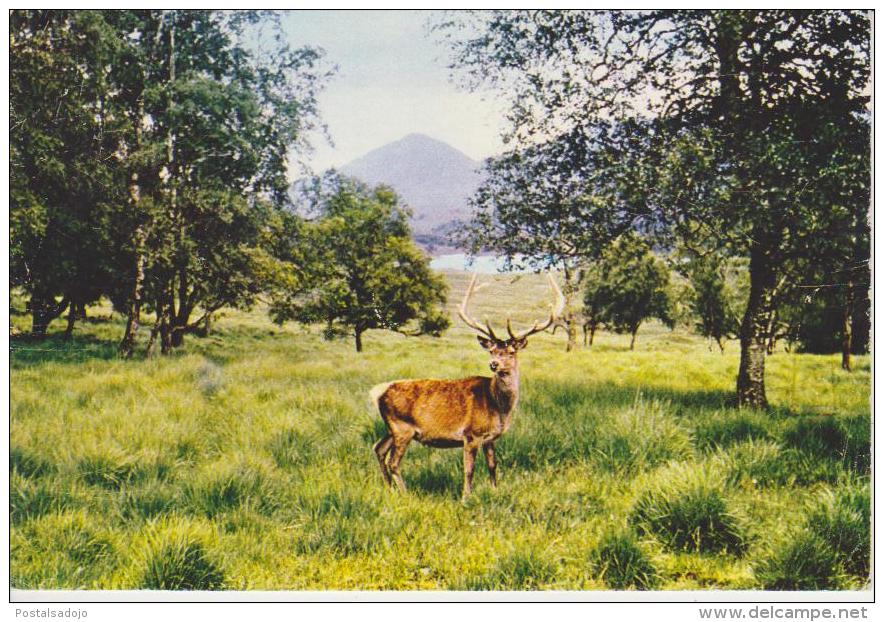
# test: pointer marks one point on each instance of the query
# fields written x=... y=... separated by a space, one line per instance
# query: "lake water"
x=485 y=264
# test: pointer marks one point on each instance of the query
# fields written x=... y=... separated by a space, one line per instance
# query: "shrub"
x=802 y=561
x=690 y=514
x=174 y=559
x=842 y=520
x=621 y=563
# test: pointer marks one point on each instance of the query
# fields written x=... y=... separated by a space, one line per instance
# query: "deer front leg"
x=469 y=461
x=492 y=462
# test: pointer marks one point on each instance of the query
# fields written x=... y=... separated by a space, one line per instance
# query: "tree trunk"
x=44 y=309
x=358 y=340
x=632 y=341
x=570 y=321
x=72 y=319
x=720 y=343
x=592 y=334
x=133 y=313
x=846 y=333
x=753 y=342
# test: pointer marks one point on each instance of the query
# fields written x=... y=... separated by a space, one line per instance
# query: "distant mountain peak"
x=433 y=178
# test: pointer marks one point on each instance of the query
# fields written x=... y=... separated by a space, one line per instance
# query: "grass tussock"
x=173 y=557
x=518 y=570
x=244 y=461
x=686 y=509
x=621 y=562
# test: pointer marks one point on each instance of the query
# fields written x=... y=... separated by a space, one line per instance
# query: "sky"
x=391 y=81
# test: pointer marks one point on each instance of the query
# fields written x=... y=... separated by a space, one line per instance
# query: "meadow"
x=244 y=461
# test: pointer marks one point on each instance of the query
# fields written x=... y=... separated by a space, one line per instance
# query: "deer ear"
x=520 y=344
x=485 y=343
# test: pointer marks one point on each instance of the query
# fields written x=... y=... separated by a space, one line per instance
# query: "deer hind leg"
x=469 y=462
x=381 y=449
x=492 y=462
x=400 y=444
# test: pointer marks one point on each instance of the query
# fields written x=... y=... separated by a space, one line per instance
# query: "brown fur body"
x=470 y=413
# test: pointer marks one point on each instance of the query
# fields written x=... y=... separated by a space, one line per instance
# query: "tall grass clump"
x=341 y=523
x=846 y=440
x=641 y=437
x=726 y=427
x=291 y=448
x=842 y=519
x=29 y=499
x=800 y=561
x=687 y=510
x=753 y=463
x=224 y=488
x=174 y=557
x=107 y=469
x=519 y=570
x=61 y=550
x=28 y=464
x=622 y=564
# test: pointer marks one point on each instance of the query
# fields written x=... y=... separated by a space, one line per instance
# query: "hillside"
x=434 y=179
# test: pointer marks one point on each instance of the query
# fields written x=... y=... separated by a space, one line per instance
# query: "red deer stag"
x=470 y=413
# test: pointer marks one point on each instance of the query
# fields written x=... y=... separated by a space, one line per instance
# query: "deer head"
x=504 y=351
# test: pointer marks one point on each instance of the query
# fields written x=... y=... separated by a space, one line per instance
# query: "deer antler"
x=554 y=313
x=487 y=331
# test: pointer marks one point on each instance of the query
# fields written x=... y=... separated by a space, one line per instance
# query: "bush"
x=176 y=560
x=802 y=561
x=621 y=563
x=690 y=514
x=842 y=520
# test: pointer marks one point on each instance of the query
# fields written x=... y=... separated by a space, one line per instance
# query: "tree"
x=63 y=174
x=716 y=294
x=736 y=112
x=632 y=287
x=547 y=206
x=227 y=117
x=355 y=268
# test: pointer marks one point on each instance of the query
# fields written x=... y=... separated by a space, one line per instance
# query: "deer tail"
x=377 y=392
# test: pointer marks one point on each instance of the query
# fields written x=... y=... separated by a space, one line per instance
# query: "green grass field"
x=245 y=462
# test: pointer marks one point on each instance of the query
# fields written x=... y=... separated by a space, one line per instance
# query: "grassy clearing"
x=245 y=462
